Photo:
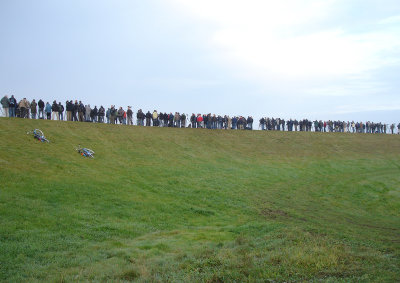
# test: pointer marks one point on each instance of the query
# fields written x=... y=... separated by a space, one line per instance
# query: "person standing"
x=60 y=112
x=5 y=103
x=220 y=122
x=234 y=122
x=88 y=110
x=75 y=109
x=113 y=114
x=54 y=110
x=81 y=111
x=193 y=120
x=124 y=118
x=93 y=114
x=250 y=123
x=262 y=123
x=199 y=121
x=101 y=114
x=163 y=117
x=177 y=120
x=155 y=118
x=108 y=113
x=171 y=120
x=12 y=106
x=148 y=119
x=120 y=115
x=23 y=106
x=69 y=107
x=213 y=121
x=48 y=111
x=41 y=109
x=129 y=115
x=183 y=120
x=229 y=126
x=140 y=117
x=33 y=109
x=208 y=121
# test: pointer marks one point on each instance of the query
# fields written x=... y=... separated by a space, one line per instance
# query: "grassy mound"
x=162 y=204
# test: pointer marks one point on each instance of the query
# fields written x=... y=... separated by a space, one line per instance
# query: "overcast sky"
x=330 y=59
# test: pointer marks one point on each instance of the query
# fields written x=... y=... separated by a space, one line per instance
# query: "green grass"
x=161 y=204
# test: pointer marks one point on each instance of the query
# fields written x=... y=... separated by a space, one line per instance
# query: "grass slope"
x=161 y=204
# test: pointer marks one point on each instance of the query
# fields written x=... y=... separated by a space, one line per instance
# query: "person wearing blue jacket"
x=48 y=110
x=234 y=122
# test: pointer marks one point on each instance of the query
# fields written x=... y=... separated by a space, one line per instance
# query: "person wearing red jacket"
x=199 y=121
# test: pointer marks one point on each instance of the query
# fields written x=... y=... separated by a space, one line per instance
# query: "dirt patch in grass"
x=130 y=275
x=273 y=213
x=371 y=226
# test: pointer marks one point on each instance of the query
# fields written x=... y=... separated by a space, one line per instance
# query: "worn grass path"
x=162 y=204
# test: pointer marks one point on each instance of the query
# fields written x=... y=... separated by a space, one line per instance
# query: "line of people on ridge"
x=77 y=111
x=306 y=125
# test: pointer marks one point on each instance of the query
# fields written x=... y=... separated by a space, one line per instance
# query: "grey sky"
x=292 y=59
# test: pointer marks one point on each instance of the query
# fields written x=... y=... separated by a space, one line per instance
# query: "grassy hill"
x=162 y=204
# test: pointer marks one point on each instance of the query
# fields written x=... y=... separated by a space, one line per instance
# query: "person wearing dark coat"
x=193 y=121
x=120 y=115
x=41 y=109
x=33 y=109
x=5 y=103
x=140 y=117
x=250 y=123
x=148 y=119
x=165 y=119
x=12 y=106
x=183 y=120
x=262 y=123
x=93 y=114
x=69 y=107
x=113 y=114
x=75 y=109
x=54 y=110
x=101 y=114
x=129 y=115
x=60 y=112
x=81 y=111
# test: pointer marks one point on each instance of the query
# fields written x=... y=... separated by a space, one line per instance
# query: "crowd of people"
x=77 y=111
x=327 y=126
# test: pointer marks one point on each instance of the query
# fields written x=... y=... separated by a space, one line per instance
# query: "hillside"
x=162 y=204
